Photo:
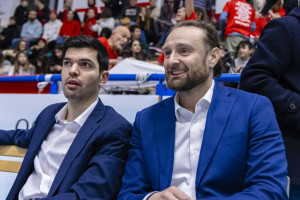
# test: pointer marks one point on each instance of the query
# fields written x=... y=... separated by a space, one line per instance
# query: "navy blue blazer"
x=94 y=164
x=242 y=155
x=274 y=71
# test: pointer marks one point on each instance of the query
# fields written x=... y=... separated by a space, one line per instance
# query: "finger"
x=179 y=194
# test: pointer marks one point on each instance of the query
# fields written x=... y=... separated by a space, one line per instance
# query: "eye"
x=167 y=53
x=86 y=65
x=67 y=63
x=184 y=51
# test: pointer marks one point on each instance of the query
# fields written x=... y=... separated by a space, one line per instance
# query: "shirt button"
x=292 y=105
x=51 y=147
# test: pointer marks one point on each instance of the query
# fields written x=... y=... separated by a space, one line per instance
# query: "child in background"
x=42 y=63
x=243 y=53
x=22 y=66
x=55 y=63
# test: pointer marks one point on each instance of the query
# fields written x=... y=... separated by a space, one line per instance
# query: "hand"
x=239 y=69
x=171 y=193
x=2 y=37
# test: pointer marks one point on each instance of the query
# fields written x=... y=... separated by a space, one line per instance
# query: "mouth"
x=177 y=73
x=73 y=83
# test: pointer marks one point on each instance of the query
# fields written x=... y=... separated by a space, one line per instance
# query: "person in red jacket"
x=91 y=20
x=114 y=43
x=69 y=28
x=239 y=15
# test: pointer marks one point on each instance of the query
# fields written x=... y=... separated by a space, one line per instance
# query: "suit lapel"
x=78 y=144
x=165 y=135
x=217 y=117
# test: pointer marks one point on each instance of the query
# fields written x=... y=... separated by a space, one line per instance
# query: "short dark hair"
x=242 y=44
x=133 y=27
x=211 y=40
x=83 y=41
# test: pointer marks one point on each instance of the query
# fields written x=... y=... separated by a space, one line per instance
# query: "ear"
x=103 y=78
x=214 y=57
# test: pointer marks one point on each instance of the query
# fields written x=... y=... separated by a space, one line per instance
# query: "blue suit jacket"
x=94 y=164
x=274 y=71
x=242 y=155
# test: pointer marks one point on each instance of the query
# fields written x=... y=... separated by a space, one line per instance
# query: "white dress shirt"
x=52 y=153
x=188 y=140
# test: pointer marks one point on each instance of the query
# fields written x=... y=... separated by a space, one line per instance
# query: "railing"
x=161 y=89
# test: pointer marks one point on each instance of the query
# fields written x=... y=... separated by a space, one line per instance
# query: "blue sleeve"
x=223 y=20
x=39 y=30
x=253 y=26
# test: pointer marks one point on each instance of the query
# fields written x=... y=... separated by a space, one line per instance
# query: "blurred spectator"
x=115 y=42
x=63 y=14
x=200 y=14
x=205 y=5
x=242 y=56
x=21 y=13
x=22 y=66
x=135 y=51
x=55 y=63
x=165 y=20
x=106 y=21
x=276 y=11
x=90 y=21
x=42 y=63
x=35 y=51
x=147 y=26
x=9 y=33
x=154 y=9
x=51 y=29
x=260 y=23
x=225 y=57
x=5 y=65
x=69 y=28
x=31 y=30
x=288 y=5
x=130 y=13
x=135 y=33
x=10 y=54
x=91 y=4
x=116 y=6
x=42 y=11
x=106 y=32
x=237 y=19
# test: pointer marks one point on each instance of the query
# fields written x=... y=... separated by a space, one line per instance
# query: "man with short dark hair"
x=30 y=31
x=208 y=141
x=78 y=149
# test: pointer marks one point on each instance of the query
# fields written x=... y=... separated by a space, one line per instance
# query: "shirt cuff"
x=149 y=195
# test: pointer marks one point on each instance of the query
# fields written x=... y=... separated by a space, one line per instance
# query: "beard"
x=193 y=78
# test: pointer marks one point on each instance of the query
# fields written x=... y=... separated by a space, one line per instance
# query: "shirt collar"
x=61 y=115
x=180 y=111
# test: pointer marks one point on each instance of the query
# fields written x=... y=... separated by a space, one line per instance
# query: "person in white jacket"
x=51 y=28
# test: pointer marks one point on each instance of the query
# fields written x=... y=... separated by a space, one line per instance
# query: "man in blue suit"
x=78 y=149
x=274 y=71
x=208 y=141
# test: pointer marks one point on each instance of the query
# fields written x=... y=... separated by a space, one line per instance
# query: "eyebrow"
x=81 y=60
x=178 y=45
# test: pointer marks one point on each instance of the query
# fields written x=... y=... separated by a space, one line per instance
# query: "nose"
x=74 y=70
x=171 y=60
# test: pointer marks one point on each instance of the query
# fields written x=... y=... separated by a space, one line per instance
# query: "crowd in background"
x=33 y=40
